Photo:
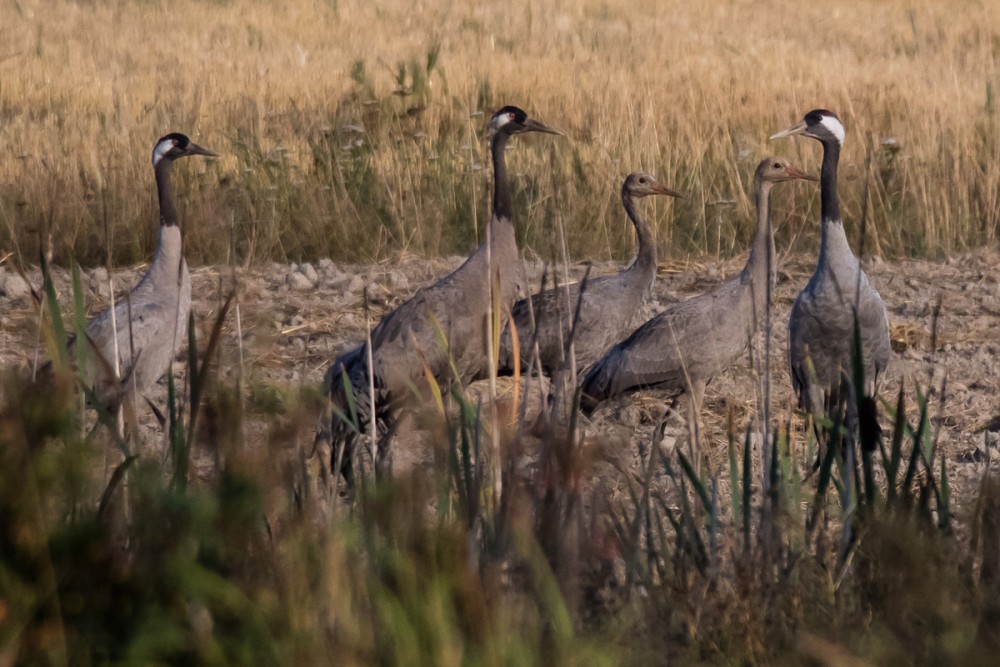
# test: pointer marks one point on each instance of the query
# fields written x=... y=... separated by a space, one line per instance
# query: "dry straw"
x=345 y=125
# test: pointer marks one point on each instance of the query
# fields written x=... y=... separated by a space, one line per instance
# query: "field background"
x=354 y=130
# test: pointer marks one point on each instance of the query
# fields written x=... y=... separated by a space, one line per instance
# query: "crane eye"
x=777 y=165
x=642 y=180
x=512 y=116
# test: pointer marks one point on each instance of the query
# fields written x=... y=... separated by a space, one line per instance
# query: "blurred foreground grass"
x=220 y=547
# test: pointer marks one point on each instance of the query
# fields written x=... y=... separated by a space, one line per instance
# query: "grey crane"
x=821 y=324
x=408 y=340
x=608 y=307
x=685 y=346
x=146 y=328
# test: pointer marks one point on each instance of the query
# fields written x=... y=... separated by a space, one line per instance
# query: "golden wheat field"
x=355 y=130
x=353 y=170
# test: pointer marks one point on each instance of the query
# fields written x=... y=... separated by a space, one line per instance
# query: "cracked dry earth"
x=944 y=317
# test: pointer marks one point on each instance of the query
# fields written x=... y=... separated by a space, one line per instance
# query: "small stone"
x=668 y=444
x=398 y=281
x=98 y=274
x=325 y=264
x=99 y=282
x=15 y=286
x=629 y=416
x=357 y=284
x=299 y=282
x=378 y=293
x=309 y=272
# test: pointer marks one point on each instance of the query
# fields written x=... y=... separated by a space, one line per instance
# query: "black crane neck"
x=502 y=207
x=168 y=214
x=828 y=181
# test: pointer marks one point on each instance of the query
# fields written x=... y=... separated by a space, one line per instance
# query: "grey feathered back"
x=444 y=329
x=151 y=325
x=609 y=306
x=685 y=346
x=150 y=322
x=821 y=326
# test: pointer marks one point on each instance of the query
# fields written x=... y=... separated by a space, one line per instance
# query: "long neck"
x=760 y=268
x=502 y=208
x=168 y=214
x=828 y=181
x=835 y=252
x=645 y=258
x=500 y=243
x=169 y=256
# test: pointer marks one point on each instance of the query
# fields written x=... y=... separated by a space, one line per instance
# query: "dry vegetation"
x=353 y=130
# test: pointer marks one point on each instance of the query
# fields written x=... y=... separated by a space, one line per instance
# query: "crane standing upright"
x=406 y=343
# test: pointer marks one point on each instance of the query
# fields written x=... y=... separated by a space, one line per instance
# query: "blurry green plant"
x=152 y=564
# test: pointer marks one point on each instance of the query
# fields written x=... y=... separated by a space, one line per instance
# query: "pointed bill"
x=793 y=172
x=532 y=125
x=664 y=190
x=798 y=128
x=195 y=149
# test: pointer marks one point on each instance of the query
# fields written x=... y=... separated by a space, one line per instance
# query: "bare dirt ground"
x=294 y=319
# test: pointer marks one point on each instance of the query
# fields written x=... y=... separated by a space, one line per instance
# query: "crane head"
x=819 y=124
x=513 y=120
x=778 y=169
x=641 y=184
x=175 y=145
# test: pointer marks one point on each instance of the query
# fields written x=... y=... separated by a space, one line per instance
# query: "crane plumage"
x=407 y=342
x=150 y=323
x=685 y=346
x=822 y=322
x=609 y=304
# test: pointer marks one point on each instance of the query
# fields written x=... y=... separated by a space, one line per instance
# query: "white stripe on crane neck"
x=161 y=150
x=835 y=127
x=501 y=120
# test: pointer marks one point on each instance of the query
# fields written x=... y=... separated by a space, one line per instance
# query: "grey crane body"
x=150 y=323
x=609 y=305
x=821 y=327
x=149 y=339
x=457 y=307
x=685 y=346
x=408 y=341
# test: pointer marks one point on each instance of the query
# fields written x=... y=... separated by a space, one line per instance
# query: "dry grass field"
x=355 y=131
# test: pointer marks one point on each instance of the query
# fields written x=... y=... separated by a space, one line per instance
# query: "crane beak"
x=794 y=173
x=798 y=128
x=658 y=189
x=195 y=149
x=532 y=125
